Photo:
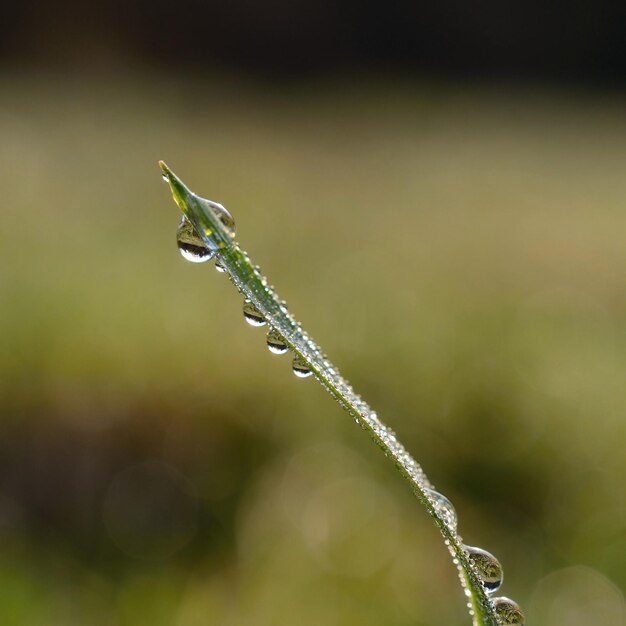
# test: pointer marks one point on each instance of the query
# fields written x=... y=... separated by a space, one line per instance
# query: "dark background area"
x=575 y=42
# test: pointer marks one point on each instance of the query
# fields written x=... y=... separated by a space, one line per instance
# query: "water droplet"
x=300 y=368
x=224 y=216
x=219 y=267
x=508 y=612
x=165 y=178
x=190 y=245
x=444 y=509
x=489 y=568
x=275 y=342
x=252 y=315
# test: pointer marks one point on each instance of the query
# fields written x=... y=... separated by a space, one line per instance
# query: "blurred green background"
x=456 y=246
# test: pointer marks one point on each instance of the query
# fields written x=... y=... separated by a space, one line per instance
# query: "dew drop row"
x=486 y=566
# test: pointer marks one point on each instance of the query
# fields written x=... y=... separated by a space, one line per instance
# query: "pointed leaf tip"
x=164 y=168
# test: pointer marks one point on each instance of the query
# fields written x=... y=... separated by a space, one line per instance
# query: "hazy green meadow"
x=460 y=255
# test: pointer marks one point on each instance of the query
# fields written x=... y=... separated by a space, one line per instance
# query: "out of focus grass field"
x=459 y=253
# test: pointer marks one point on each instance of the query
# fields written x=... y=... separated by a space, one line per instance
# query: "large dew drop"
x=444 y=509
x=508 y=612
x=300 y=368
x=252 y=314
x=275 y=342
x=489 y=568
x=190 y=245
x=225 y=217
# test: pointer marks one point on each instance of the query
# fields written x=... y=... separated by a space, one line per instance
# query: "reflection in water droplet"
x=275 y=342
x=508 y=612
x=219 y=267
x=225 y=217
x=300 y=368
x=190 y=245
x=489 y=568
x=252 y=315
x=444 y=509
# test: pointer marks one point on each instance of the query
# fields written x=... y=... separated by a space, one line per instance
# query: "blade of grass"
x=255 y=287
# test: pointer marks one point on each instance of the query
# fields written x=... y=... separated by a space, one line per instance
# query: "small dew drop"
x=489 y=568
x=444 y=509
x=252 y=315
x=219 y=267
x=508 y=612
x=300 y=368
x=275 y=342
x=190 y=246
x=164 y=177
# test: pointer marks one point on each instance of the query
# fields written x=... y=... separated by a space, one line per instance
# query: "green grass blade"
x=254 y=286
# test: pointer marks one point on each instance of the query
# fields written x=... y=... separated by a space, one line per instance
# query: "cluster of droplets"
x=486 y=566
